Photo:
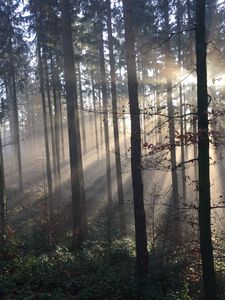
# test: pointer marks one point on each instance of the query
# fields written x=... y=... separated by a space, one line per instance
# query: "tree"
x=209 y=284
x=170 y=107
x=10 y=79
x=83 y=129
x=95 y=116
x=38 y=19
x=52 y=131
x=137 y=183
x=2 y=193
x=179 y=17
x=115 y=119
x=47 y=151
x=104 y=102
x=114 y=104
x=57 y=120
x=76 y=168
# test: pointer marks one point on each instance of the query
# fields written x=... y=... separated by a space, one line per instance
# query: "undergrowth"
x=93 y=273
x=31 y=267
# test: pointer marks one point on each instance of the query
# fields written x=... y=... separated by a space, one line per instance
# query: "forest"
x=112 y=149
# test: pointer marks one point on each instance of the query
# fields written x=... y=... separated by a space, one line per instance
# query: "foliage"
x=102 y=269
x=87 y=274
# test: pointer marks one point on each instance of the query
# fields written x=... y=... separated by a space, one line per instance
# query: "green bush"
x=92 y=273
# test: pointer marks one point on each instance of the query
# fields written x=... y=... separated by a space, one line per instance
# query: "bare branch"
x=166 y=40
x=186 y=162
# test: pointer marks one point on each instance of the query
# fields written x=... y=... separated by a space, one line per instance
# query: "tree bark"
x=175 y=199
x=15 y=107
x=83 y=130
x=206 y=248
x=61 y=125
x=52 y=131
x=115 y=119
x=105 y=109
x=137 y=183
x=179 y=18
x=95 y=114
x=56 y=100
x=76 y=167
x=47 y=152
x=2 y=195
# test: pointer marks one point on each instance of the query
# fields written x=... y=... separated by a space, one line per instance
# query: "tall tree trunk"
x=137 y=183
x=47 y=152
x=9 y=98
x=195 y=146
x=63 y=157
x=52 y=131
x=114 y=106
x=168 y=63
x=76 y=168
x=83 y=131
x=30 y=112
x=56 y=125
x=123 y=119
x=95 y=113
x=2 y=195
x=143 y=80
x=179 y=18
x=105 y=111
x=159 y=120
x=206 y=248
x=59 y=88
x=100 y=120
x=15 y=107
x=184 y=191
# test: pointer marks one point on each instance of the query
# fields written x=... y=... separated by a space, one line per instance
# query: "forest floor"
x=37 y=262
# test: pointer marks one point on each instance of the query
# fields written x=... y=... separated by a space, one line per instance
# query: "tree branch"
x=185 y=162
x=167 y=39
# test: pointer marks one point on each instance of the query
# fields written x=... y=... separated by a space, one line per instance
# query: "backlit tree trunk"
x=105 y=109
x=175 y=195
x=179 y=18
x=47 y=152
x=137 y=183
x=2 y=195
x=95 y=114
x=209 y=284
x=76 y=167
x=83 y=129
x=16 y=130
x=56 y=99
x=115 y=119
x=52 y=130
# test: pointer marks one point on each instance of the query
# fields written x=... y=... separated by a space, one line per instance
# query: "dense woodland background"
x=112 y=149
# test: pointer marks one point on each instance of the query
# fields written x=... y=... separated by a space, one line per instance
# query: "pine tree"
x=2 y=192
x=137 y=183
x=76 y=168
x=206 y=248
